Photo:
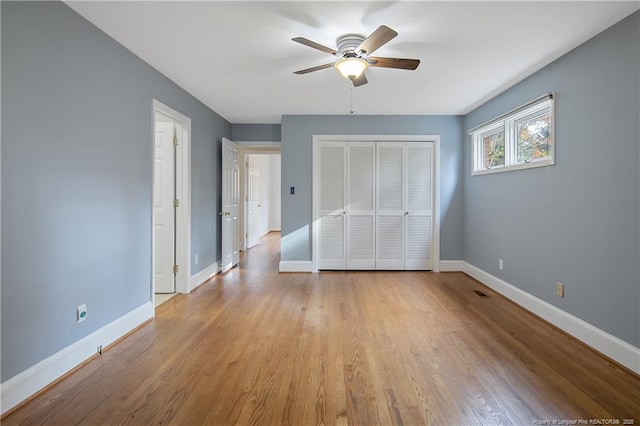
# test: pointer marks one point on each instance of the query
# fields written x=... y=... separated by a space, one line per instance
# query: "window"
x=520 y=139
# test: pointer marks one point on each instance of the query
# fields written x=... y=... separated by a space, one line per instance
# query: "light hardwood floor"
x=257 y=347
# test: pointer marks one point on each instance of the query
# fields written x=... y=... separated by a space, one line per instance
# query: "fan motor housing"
x=348 y=43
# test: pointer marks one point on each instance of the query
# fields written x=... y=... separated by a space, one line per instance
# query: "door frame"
x=183 y=193
x=315 y=200
x=247 y=148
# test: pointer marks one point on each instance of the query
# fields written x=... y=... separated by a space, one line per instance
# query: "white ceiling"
x=238 y=57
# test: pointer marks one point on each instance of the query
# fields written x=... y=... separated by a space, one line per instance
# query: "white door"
x=360 y=208
x=390 y=210
x=419 y=205
x=332 y=214
x=163 y=207
x=253 y=203
x=230 y=201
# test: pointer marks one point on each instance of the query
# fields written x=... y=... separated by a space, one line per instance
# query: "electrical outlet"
x=500 y=264
x=82 y=313
x=560 y=290
x=196 y=259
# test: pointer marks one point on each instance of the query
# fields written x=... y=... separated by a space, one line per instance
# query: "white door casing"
x=253 y=203
x=163 y=209
x=230 y=204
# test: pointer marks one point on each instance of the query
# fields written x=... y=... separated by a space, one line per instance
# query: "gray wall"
x=77 y=179
x=587 y=234
x=297 y=133
x=255 y=132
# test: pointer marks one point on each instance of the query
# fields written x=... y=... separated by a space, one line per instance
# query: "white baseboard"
x=296 y=266
x=451 y=265
x=307 y=266
x=30 y=381
x=202 y=276
x=611 y=346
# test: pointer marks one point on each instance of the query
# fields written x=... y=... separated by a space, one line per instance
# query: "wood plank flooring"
x=257 y=347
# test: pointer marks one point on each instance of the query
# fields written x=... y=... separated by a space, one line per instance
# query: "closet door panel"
x=332 y=177
x=419 y=186
x=390 y=209
x=360 y=205
x=332 y=221
x=419 y=202
x=360 y=243
x=389 y=247
x=418 y=239
x=389 y=176
x=361 y=176
x=332 y=241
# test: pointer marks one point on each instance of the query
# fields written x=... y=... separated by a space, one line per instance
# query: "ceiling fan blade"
x=312 y=69
x=403 y=64
x=377 y=39
x=360 y=81
x=315 y=45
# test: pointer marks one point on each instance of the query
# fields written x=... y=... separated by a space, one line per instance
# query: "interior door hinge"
x=175 y=141
x=176 y=269
x=246 y=198
x=176 y=203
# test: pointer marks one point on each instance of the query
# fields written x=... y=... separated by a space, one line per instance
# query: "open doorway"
x=262 y=200
x=261 y=192
x=171 y=188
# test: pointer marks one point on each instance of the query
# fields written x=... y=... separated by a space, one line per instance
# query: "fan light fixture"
x=351 y=68
x=354 y=55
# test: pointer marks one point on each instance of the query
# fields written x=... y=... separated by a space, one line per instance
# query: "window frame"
x=488 y=130
x=509 y=122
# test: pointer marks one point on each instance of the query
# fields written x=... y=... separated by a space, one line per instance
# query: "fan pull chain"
x=351 y=109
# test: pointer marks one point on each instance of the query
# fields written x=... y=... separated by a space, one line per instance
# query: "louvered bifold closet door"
x=361 y=205
x=332 y=222
x=419 y=205
x=390 y=209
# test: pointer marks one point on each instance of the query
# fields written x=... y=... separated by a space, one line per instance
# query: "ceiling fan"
x=353 y=55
